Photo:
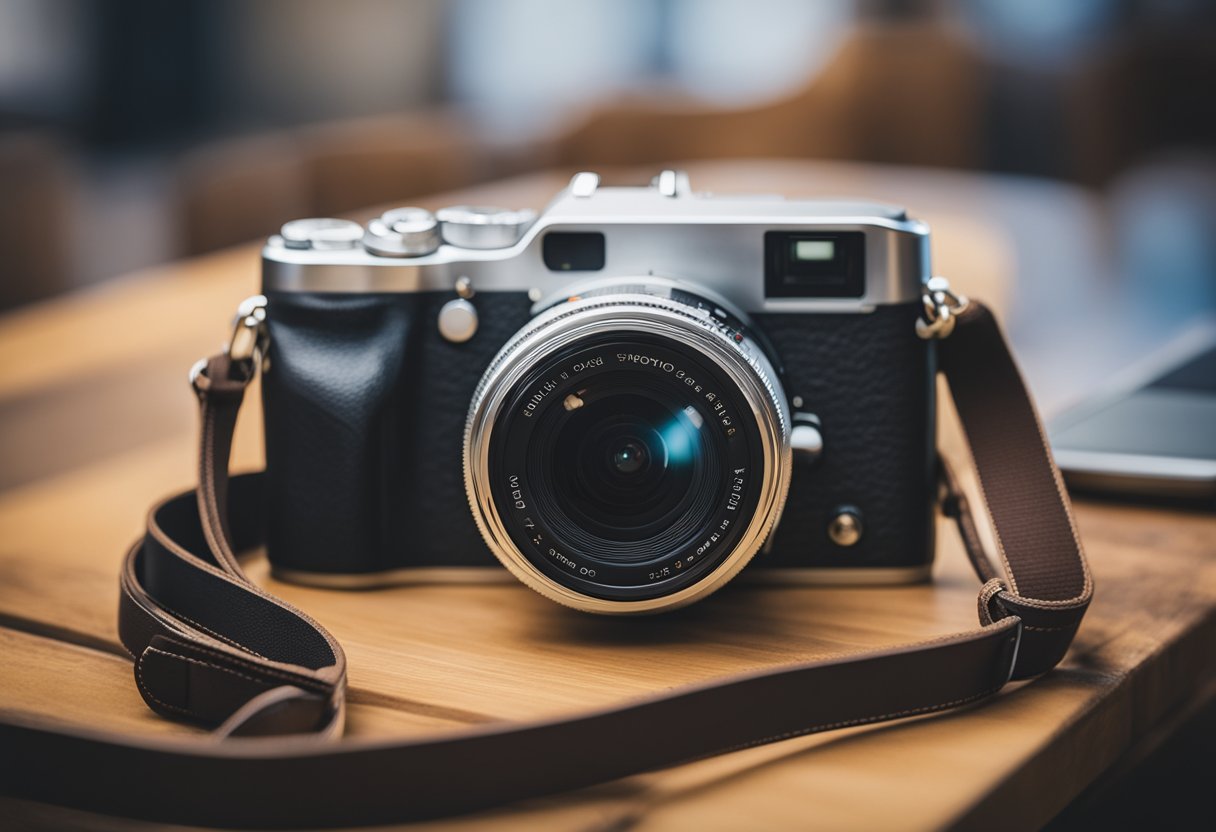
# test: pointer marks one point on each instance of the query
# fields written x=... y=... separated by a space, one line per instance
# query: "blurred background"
x=138 y=132
x=134 y=132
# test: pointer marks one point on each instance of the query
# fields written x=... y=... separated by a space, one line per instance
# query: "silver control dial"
x=470 y=226
x=403 y=232
x=322 y=234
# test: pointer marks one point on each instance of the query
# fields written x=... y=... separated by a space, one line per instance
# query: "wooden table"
x=96 y=421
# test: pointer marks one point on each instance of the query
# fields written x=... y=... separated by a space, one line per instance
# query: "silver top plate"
x=712 y=241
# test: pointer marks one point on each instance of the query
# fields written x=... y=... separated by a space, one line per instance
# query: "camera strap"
x=212 y=648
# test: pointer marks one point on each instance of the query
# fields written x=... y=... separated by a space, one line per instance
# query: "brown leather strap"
x=212 y=648
x=1046 y=579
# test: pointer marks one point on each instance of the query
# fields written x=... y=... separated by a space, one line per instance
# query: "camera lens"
x=623 y=456
x=628 y=475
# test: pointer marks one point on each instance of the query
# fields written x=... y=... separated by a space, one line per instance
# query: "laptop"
x=1151 y=430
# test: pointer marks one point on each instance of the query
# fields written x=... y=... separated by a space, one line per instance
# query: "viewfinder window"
x=814 y=250
x=814 y=264
x=573 y=251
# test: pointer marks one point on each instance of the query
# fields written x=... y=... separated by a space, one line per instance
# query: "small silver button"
x=584 y=184
x=322 y=234
x=806 y=440
x=403 y=232
x=458 y=321
x=673 y=183
x=470 y=226
x=846 y=527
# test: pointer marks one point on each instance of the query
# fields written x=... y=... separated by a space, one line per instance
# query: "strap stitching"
x=193 y=561
x=209 y=509
x=126 y=590
x=830 y=726
x=207 y=478
x=996 y=532
x=907 y=645
x=139 y=680
x=1079 y=602
x=201 y=663
x=315 y=685
x=206 y=629
x=1026 y=626
x=1087 y=584
x=988 y=591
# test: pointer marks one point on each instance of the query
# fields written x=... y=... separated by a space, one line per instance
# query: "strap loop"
x=1048 y=629
x=991 y=612
x=284 y=710
x=190 y=680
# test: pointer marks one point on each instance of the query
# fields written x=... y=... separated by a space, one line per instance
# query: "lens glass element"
x=630 y=470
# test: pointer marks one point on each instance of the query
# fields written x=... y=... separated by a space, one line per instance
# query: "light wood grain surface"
x=96 y=421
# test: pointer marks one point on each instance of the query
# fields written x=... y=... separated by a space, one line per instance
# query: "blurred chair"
x=236 y=191
x=35 y=217
x=900 y=92
x=244 y=189
x=365 y=162
x=1146 y=93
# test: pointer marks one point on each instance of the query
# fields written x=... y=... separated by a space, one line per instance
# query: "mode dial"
x=403 y=232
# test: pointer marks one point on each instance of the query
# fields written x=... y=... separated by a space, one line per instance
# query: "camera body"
x=379 y=337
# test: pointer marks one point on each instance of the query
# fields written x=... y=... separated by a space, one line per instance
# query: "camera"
x=624 y=400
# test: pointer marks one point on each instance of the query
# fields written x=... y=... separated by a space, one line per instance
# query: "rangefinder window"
x=814 y=264
x=573 y=251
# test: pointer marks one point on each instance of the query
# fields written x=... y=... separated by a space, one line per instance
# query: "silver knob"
x=403 y=232
x=322 y=234
x=458 y=321
x=806 y=441
x=470 y=226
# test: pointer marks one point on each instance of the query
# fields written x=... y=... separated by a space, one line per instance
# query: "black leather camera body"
x=623 y=400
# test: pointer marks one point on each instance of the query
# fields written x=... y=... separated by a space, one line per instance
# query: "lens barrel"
x=628 y=452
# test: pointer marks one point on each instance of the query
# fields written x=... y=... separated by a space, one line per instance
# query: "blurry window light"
x=44 y=55
x=528 y=63
x=738 y=51
x=516 y=63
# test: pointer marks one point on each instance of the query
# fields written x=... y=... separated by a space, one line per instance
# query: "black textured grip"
x=365 y=407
